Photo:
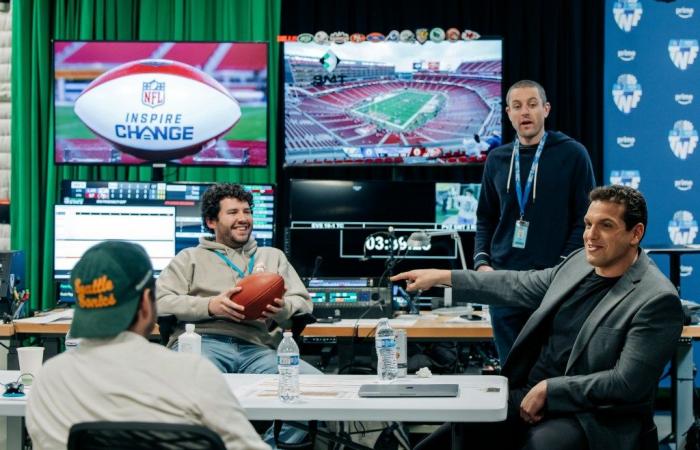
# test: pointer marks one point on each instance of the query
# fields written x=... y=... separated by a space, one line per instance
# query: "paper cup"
x=30 y=360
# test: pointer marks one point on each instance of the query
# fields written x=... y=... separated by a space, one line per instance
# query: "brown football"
x=259 y=290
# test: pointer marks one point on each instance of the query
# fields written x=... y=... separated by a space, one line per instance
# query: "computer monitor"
x=388 y=102
x=185 y=197
x=79 y=227
x=355 y=226
x=148 y=102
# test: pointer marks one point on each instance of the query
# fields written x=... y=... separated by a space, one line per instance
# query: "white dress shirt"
x=126 y=378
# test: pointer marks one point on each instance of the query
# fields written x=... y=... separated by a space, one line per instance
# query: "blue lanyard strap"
x=230 y=263
x=523 y=196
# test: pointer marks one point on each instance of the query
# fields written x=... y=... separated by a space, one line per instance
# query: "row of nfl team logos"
x=683 y=227
x=628 y=13
x=421 y=35
x=682 y=139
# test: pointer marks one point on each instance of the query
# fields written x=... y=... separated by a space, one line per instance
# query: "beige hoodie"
x=197 y=274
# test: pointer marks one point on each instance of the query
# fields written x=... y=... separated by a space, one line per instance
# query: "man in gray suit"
x=605 y=321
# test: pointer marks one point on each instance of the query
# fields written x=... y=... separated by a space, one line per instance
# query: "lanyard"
x=523 y=196
x=230 y=263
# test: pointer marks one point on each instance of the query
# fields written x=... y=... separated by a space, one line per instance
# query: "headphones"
x=16 y=388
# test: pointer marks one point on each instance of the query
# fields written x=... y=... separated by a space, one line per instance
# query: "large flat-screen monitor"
x=185 y=197
x=183 y=103
x=79 y=227
x=112 y=203
x=391 y=102
x=355 y=226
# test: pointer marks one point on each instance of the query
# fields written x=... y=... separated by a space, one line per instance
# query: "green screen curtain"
x=35 y=178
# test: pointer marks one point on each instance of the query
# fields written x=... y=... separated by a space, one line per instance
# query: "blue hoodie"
x=564 y=179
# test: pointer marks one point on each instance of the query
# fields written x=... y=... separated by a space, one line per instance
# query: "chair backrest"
x=142 y=436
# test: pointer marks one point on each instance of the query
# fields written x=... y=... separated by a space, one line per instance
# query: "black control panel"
x=348 y=298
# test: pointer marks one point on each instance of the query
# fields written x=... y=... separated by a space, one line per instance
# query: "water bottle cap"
x=287 y=334
x=189 y=328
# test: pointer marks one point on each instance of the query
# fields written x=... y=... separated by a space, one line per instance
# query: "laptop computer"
x=409 y=390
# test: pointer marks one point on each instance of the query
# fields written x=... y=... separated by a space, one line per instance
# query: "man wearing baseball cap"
x=116 y=374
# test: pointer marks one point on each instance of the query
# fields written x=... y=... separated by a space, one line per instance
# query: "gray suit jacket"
x=618 y=355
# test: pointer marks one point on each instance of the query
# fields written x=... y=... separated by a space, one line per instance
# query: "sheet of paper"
x=267 y=387
x=66 y=314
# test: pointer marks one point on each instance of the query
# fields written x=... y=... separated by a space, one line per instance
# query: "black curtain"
x=558 y=43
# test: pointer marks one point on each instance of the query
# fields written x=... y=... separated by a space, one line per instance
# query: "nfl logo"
x=683 y=228
x=627 y=14
x=683 y=52
x=631 y=178
x=153 y=93
x=422 y=35
x=626 y=92
x=683 y=139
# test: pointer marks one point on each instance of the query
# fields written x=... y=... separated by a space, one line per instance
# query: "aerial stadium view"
x=391 y=102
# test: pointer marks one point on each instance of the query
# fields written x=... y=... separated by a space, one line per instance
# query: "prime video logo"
x=686 y=271
x=626 y=92
x=626 y=141
x=683 y=185
x=685 y=12
x=682 y=229
x=683 y=99
x=683 y=52
x=626 y=55
x=683 y=139
x=627 y=14
x=630 y=178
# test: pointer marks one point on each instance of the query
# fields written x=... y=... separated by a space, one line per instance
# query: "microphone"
x=418 y=239
x=317 y=264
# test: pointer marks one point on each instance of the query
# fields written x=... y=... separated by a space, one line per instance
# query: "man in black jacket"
x=533 y=198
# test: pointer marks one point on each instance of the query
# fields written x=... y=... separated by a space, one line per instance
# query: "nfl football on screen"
x=157 y=109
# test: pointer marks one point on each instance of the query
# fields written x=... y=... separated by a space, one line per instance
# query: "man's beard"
x=232 y=242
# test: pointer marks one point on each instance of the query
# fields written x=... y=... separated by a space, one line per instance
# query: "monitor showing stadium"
x=391 y=102
x=180 y=103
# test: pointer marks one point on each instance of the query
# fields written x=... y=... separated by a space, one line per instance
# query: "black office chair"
x=142 y=436
x=166 y=326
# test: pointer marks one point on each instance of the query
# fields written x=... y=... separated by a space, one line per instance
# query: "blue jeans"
x=507 y=322
x=233 y=355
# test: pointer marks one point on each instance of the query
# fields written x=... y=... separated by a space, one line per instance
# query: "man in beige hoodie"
x=199 y=286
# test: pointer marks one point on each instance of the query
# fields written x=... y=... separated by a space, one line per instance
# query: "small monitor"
x=353 y=227
x=79 y=227
x=185 y=197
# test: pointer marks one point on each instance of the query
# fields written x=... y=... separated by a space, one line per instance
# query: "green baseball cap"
x=107 y=283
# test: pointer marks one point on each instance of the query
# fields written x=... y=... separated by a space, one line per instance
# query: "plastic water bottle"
x=189 y=341
x=288 y=369
x=385 y=342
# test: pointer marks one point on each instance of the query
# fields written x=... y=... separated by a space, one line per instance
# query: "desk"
x=7 y=330
x=440 y=328
x=51 y=333
x=474 y=403
x=425 y=327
